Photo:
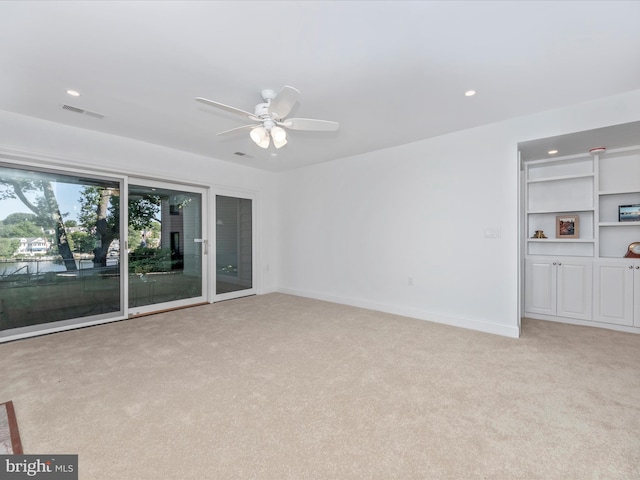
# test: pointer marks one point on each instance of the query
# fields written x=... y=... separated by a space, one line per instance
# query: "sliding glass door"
x=234 y=247
x=57 y=235
x=166 y=246
x=67 y=259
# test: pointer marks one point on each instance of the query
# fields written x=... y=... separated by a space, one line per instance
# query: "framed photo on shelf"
x=629 y=213
x=567 y=226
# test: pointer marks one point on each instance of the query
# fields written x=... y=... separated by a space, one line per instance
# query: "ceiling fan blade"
x=310 y=124
x=237 y=129
x=283 y=102
x=227 y=108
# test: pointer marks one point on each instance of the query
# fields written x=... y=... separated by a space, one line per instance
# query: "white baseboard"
x=584 y=323
x=265 y=291
x=482 y=326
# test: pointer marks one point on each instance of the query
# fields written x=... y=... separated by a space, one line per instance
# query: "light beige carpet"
x=282 y=387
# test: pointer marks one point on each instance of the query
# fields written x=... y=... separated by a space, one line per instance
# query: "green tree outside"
x=81 y=242
x=8 y=247
x=25 y=229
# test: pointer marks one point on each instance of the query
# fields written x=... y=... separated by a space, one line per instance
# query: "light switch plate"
x=492 y=232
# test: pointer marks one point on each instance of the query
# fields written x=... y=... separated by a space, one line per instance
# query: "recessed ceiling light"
x=470 y=93
x=552 y=152
x=73 y=93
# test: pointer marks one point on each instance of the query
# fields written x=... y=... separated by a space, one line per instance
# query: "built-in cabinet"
x=559 y=286
x=617 y=292
x=581 y=276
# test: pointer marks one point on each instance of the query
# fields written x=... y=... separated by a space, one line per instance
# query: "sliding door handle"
x=205 y=244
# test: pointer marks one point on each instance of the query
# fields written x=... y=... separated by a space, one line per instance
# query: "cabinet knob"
x=637 y=267
x=559 y=263
x=630 y=267
x=554 y=263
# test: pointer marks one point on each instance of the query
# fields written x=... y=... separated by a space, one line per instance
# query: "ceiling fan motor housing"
x=262 y=110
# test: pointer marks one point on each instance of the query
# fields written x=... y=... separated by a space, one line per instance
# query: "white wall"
x=354 y=230
x=62 y=145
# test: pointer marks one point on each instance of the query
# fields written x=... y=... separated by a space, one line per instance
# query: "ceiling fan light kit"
x=271 y=117
x=260 y=136
x=278 y=134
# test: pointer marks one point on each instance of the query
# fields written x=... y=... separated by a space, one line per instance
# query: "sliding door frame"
x=29 y=163
x=26 y=160
x=203 y=240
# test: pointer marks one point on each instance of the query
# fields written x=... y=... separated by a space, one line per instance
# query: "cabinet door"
x=540 y=286
x=575 y=288
x=613 y=292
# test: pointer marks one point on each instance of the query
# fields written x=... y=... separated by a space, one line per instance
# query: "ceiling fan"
x=271 y=117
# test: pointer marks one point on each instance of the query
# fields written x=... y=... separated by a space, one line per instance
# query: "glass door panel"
x=59 y=244
x=234 y=246
x=165 y=247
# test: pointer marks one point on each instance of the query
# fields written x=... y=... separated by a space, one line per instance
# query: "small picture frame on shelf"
x=629 y=213
x=567 y=226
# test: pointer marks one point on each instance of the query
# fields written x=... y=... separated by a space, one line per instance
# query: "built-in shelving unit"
x=573 y=278
x=556 y=187
x=589 y=187
x=619 y=184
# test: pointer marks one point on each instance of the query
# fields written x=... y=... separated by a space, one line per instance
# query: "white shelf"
x=619 y=224
x=559 y=178
x=561 y=240
x=559 y=212
x=565 y=159
x=617 y=192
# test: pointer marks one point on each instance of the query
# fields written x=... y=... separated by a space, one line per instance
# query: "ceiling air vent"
x=72 y=109
x=82 y=111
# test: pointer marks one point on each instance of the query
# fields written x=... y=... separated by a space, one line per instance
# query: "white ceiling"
x=391 y=72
